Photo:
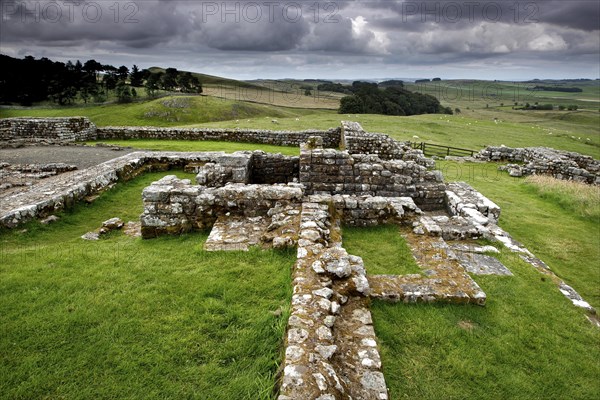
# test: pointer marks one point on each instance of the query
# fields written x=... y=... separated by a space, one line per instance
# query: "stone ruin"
x=15 y=132
x=560 y=164
x=275 y=201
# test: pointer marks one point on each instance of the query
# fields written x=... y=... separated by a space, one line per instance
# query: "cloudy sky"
x=507 y=40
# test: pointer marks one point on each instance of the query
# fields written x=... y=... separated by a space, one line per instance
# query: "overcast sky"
x=506 y=40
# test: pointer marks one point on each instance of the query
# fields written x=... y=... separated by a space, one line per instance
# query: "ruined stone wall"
x=46 y=130
x=331 y=137
x=461 y=199
x=372 y=210
x=546 y=161
x=173 y=206
x=331 y=347
x=62 y=191
x=73 y=129
x=356 y=141
x=274 y=168
x=329 y=171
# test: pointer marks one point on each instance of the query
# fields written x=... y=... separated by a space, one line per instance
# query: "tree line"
x=27 y=81
x=369 y=98
x=558 y=89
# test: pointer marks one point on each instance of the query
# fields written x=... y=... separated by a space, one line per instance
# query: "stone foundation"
x=560 y=164
x=331 y=346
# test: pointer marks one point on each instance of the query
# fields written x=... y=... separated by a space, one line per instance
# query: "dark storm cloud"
x=300 y=36
x=251 y=28
x=50 y=22
x=408 y=14
x=583 y=15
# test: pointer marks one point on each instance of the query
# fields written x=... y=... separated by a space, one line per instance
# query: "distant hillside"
x=206 y=79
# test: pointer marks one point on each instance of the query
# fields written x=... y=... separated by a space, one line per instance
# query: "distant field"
x=461 y=130
x=479 y=94
x=277 y=95
x=486 y=116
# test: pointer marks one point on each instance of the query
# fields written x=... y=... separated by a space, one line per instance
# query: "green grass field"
x=567 y=240
x=165 y=111
x=528 y=342
x=133 y=318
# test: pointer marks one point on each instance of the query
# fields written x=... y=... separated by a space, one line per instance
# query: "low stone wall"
x=62 y=191
x=329 y=171
x=546 y=161
x=331 y=347
x=45 y=130
x=173 y=206
x=462 y=199
x=77 y=129
x=372 y=210
x=331 y=137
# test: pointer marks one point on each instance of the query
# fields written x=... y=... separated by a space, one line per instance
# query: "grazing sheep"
x=275 y=121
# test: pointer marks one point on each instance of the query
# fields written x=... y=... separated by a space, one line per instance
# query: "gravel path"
x=81 y=156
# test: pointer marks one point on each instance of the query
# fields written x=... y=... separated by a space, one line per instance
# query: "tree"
x=110 y=81
x=307 y=92
x=152 y=82
x=184 y=82
x=351 y=105
x=457 y=110
x=195 y=85
x=136 y=77
x=168 y=80
x=123 y=72
x=88 y=90
x=62 y=94
x=123 y=92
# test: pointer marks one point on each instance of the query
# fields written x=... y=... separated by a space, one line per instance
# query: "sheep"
x=275 y=121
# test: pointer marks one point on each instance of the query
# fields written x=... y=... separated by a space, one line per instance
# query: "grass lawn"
x=199 y=145
x=528 y=342
x=133 y=318
x=391 y=255
x=567 y=240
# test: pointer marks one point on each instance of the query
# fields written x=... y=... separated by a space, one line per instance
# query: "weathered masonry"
x=560 y=164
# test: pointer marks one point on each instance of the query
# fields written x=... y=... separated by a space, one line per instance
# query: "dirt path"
x=81 y=156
